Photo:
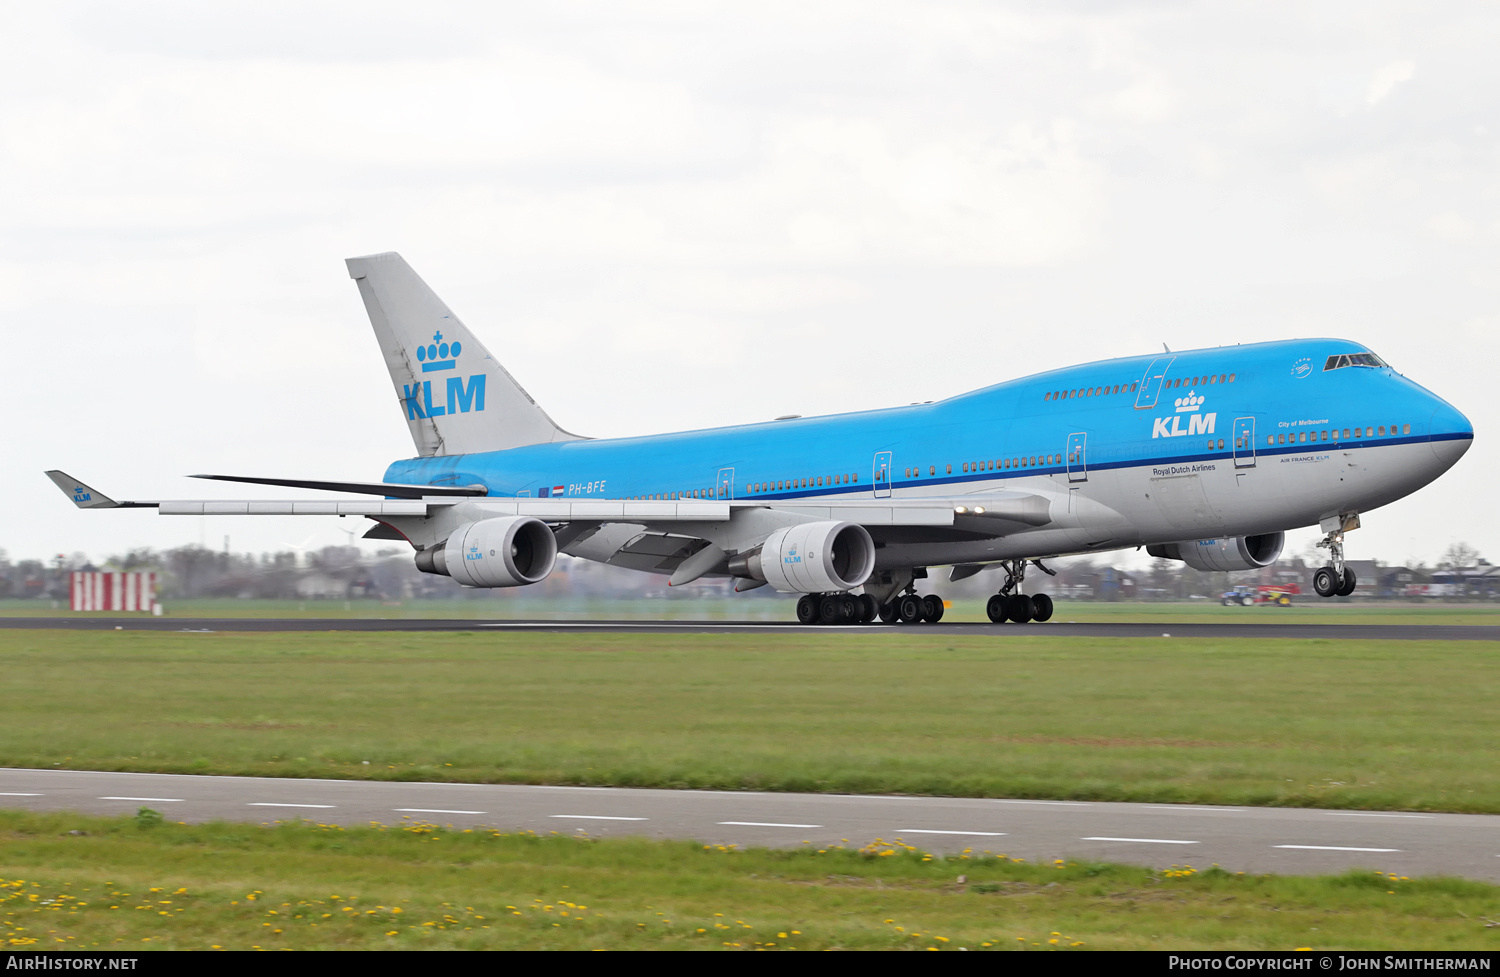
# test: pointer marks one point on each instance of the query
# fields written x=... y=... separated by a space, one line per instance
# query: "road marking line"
x=275 y=804
x=769 y=824
x=595 y=817
x=159 y=800
x=1359 y=814
x=1047 y=803
x=432 y=810
x=1186 y=807
x=1334 y=848
x=934 y=831
x=1146 y=841
x=9 y=793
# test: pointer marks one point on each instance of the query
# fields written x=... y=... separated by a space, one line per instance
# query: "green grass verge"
x=76 y=882
x=1374 y=725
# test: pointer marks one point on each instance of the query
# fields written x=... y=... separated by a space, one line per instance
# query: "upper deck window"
x=1341 y=360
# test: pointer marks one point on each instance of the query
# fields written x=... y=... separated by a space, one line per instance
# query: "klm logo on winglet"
x=1171 y=427
x=462 y=397
x=81 y=494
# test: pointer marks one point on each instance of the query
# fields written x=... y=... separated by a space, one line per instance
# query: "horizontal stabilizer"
x=393 y=490
x=85 y=497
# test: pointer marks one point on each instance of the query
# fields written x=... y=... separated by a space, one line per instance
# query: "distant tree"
x=1457 y=556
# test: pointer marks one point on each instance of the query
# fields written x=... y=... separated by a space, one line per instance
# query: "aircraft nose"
x=1450 y=434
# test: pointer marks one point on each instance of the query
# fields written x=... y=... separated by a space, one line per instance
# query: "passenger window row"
x=814 y=481
x=1305 y=437
x=1104 y=391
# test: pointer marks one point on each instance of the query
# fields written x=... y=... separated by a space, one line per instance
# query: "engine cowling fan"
x=811 y=558
x=1234 y=553
x=507 y=551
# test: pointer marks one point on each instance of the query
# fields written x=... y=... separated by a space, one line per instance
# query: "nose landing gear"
x=1011 y=605
x=1336 y=579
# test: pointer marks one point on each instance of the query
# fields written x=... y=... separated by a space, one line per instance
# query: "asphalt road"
x=1330 y=632
x=1283 y=840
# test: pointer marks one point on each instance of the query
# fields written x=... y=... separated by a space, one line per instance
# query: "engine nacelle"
x=1237 y=553
x=812 y=558
x=507 y=551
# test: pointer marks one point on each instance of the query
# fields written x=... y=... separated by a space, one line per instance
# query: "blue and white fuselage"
x=1234 y=441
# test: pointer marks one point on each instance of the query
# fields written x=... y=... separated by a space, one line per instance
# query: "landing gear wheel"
x=888 y=612
x=807 y=609
x=869 y=609
x=932 y=608
x=849 y=608
x=829 y=610
x=909 y=609
x=1019 y=608
x=1347 y=587
x=1041 y=607
x=1325 y=582
x=995 y=608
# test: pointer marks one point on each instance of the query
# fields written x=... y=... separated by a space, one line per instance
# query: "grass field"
x=1375 y=725
x=73 y=882
x=690 y=607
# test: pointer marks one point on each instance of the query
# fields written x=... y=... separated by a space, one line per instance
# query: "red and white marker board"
x=112 y=591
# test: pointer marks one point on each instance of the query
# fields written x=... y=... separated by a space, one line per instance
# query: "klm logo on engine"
x=473 y=553
x=792 y=556
x=1197 y=423
x=461 y=398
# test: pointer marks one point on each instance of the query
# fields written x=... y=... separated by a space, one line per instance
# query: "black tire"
x=807 y=609
x=1041 y=607
x=932 y=609
x=1347 y=587
x=1020 y=609
x=1325 y=582
x=909 y=609
x=830 y=610
x=995 y=608
x=849 y=608
x=869 y=609
x=888 y=612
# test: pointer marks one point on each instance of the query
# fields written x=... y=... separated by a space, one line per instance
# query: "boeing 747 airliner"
x=1205 y=456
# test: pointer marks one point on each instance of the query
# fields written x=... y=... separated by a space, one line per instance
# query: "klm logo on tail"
x=461 y=397
x=1171 y=427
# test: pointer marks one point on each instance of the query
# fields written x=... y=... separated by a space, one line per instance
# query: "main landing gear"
x=1012 y=605
x=836 y=609
x=1336 y=579
x=908 y=608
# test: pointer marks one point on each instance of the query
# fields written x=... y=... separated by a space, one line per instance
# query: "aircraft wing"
x=415 y=500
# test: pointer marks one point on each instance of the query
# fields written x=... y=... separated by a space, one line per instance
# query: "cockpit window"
x=1341 y=360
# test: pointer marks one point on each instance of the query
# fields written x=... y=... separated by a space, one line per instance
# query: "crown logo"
x=1189 y=403
x=438 y=355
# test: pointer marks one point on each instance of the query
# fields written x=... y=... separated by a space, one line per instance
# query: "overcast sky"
x=672 y=215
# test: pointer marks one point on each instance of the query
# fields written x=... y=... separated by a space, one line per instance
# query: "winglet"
x=82 y=495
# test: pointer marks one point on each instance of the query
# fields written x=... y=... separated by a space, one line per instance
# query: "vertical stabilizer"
x=456 y=397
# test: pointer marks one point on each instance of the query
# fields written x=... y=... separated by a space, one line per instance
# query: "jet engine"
x=811 y=558
x=1236 y=553
x=508 y=551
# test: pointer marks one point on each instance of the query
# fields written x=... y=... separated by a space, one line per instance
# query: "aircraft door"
x=726 y=483
x=1151 y=383
x=881 y=476
x=1244 y=442
x=1078 y=468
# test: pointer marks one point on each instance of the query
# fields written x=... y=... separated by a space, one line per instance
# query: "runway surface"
x=1329 y=632
x=1283 y=840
